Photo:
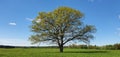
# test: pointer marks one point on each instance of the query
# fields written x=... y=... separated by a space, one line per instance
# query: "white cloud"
x=91 y=0
x=119 y=16
x=118 y=31
x=29 y=19
x=38 y=21
x=94 y=0
x=12 y=23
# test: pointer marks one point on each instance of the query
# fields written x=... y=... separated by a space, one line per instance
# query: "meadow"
x=54 y=52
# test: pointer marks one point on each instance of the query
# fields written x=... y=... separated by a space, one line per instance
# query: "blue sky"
x=16 y=16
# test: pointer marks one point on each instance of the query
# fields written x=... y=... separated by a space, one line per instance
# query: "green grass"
x=54 y=52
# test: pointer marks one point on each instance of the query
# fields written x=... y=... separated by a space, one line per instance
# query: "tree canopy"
x=61 y=26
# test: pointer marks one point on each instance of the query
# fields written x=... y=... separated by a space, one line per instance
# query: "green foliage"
x=53 y=52
x=78 y=46
x=111 y=47
x=60 y=27
x=117 y=46
x=58 y=23
x=93 y=47
x=84 y=46
x=105 y=47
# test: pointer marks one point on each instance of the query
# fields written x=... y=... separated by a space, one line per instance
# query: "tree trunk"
x=61 y=48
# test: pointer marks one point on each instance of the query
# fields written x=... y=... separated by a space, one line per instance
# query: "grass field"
x=54 y=52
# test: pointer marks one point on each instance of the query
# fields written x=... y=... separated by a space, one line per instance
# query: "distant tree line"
x=105 y=47
x=83 y=46
x=5 y=46
x=108 y=47
x=112 y=47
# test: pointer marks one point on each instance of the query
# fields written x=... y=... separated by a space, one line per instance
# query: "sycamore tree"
x=61 y=26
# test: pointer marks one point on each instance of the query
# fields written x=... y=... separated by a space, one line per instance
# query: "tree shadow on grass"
x=2 y=55
x=100 y=51
x=86 y=52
